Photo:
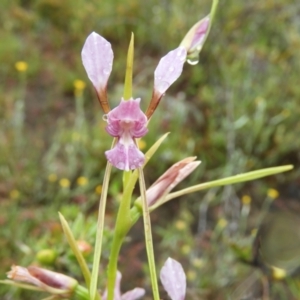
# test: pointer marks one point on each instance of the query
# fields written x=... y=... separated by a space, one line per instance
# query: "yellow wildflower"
x=81 y=181
x=52 y=177
x=197 y=262
x=191 y=275
x=185 y=249
x=180 y=225
x=222 y=223
x=272 y=193
x=278 y=273
x=21 y=66
x=14 y=194
x=98 y=189
x=79 y=86
x=64 y=183
x=246 y=200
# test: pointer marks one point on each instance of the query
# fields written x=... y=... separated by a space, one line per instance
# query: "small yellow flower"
x=191 y=275
x=180 y=225
x=64 y=183
x=272 y=193
x=21 y=66
x=185 y=249
x=197 y=262
x=278 y=273
x=79 y=84
x=79 y=87
x=81 y=181
x=222 y=223
x=14 y=194
x=52 y=177
x=246 y=200
x=142 y=144
x=98 y=189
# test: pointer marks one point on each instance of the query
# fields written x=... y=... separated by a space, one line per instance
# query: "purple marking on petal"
x=125 y=157
x=173 y=279
x=169 y=69
x=199 y=34
x=97 y=58
x=133 y=294
x=126 y=122
x=127 y=116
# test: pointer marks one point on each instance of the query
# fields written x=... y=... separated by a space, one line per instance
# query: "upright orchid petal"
x=167 y=72
x=173 y=279
x=126 y=122
x=97 y=58
x=169 y=69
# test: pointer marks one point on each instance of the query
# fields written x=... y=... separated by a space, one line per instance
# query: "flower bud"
x=172 y=177
x=49 y=281
x=195 y=38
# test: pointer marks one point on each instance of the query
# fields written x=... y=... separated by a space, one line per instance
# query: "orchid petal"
x=173 y=279
x=169 y=69
x=133 y=294
x=125 y=156
x=127 y=112
x=97 y=58
x=166 y=73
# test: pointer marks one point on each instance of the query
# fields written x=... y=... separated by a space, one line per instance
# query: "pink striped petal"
x=169 y=69
x=97 y=58
x=173 y=279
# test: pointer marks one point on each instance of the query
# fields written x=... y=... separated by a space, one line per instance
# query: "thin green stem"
x=148 y=236
x=99 y=234
x=113 y=265
x=123 y=224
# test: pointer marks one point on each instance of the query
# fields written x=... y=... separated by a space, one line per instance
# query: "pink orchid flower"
x=127 y=122
x=134 y=294
x=173 y=278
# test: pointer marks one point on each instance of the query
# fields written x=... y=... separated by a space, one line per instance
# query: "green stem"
x=148 y=236
x=99 y=234
x=123 y=224
x=113 y=265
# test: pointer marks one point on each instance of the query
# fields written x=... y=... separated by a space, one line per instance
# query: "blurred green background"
x=237 y=110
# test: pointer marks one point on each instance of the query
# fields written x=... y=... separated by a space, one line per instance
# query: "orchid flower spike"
x=127 y=122
x=173 y=279
x=134 y=294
